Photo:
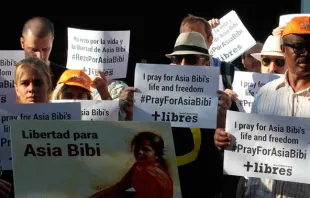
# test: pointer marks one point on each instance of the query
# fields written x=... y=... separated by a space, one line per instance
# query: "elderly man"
x=287 y=96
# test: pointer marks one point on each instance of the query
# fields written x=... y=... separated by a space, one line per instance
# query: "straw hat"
x=272 y=47
x=190 y=43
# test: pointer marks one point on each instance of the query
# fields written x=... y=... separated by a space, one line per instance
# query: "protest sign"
x=266 y=146
x=38 y=111
x=96 y=109
x=186 y=96
x=81 y=158
x=231 y=38
x=8 y=59
x=107 y=51
x=247 y=84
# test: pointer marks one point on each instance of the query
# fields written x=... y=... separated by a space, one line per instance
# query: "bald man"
x=37 y=40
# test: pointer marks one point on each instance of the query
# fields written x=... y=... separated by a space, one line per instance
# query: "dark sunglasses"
x=299 y=48
x=279 y=62
x=189 y=59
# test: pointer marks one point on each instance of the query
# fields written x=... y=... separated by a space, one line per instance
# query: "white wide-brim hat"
x=272 y=47
x=190 y=43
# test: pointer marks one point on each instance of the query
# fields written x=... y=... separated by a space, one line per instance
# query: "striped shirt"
x=278 y=98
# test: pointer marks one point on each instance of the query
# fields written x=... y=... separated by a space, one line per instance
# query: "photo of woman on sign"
x=148 y=176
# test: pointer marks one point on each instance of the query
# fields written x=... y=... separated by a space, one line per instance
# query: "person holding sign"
x=33 y=84
x=197 y=157
x=271 y=56
x=201 y=25
x=204 y=27
x=149 y=175
x=76 y=85
x=287 y=96
x=37 y=40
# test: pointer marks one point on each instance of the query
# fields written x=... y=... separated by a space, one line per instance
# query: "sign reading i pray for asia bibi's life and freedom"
x=247 y=84
x=186 y=96
x=37 y=111
x=94 y=159
x=107 y=51
x=265 y=146
x=107 y=110
x=230 y=38
x=8 y=59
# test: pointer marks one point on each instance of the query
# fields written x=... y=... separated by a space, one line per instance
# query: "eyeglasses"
x=279 y=62
x=299 y=48
x=189 y=59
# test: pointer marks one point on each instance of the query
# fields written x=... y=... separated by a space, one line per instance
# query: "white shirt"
x=278 y=98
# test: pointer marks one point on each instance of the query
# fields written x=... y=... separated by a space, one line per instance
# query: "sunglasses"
x=299 y=48
x=189 y=59
x=279 y=62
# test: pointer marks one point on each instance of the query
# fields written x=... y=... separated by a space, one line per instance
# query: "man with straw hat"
x=271 y=56
x=197 y=157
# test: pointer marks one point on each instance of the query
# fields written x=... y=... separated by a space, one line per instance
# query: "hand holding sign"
x=278 y=31
x=222 y=138
x=101 y=84
x=126 y=100
x=214 y=22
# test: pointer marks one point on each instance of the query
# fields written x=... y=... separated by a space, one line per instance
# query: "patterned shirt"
x=115 y=89
x=278 y=98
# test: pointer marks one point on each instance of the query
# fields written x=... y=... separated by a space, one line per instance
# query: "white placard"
x=8 y=59
x=107 y=110
x=275 y=147
x=37 y=111
x=285 y=19
x=108 y=51
x=247 y=84
x=186 y=96
x=90 y=156
x=231 y=38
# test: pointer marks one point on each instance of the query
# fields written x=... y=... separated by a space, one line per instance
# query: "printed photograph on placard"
x=94 y=159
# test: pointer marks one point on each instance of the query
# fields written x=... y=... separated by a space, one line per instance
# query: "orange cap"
x=298 y=25
x=75 y=78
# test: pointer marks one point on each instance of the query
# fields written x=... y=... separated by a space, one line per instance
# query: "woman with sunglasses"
x=271 y=56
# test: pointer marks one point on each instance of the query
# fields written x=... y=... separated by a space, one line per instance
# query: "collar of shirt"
x=284 y=83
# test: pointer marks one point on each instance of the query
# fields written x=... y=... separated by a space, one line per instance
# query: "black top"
x=56 y=71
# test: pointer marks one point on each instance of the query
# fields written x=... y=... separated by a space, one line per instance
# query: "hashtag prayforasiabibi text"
x=276 y=152
x=167 y=100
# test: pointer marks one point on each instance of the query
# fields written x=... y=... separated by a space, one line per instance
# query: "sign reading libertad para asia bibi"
x=94 y=159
